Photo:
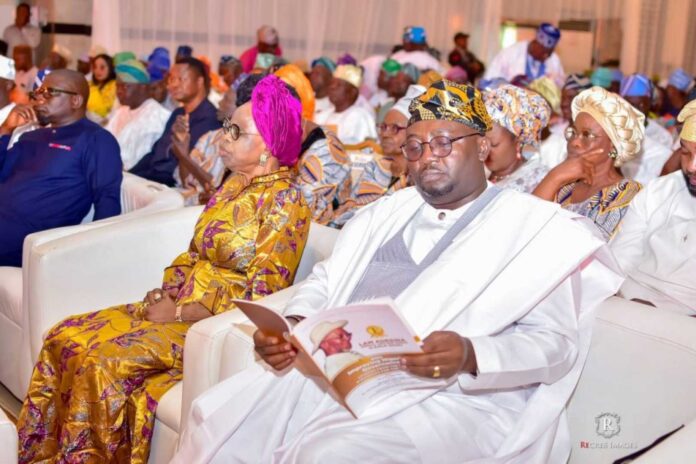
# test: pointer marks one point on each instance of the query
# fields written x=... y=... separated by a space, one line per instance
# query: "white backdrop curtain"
x=657 y=34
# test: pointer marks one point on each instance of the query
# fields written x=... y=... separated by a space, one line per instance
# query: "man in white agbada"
x=416 y=51
x=484 y=275
x=353 y=121
x=533 y=59
x=656 y=245
x=139 y=121
x=637 y=89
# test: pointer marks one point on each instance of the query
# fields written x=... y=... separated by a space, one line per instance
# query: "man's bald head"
x=67 y=79
x=62 y=98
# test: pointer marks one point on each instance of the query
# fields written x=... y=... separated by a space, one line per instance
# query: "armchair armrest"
x=100 y=267
x=219 y=347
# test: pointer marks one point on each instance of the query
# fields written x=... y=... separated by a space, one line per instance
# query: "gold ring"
x=158 y=296
x=436 y=372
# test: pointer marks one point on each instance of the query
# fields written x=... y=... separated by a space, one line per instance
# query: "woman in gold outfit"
x=99 y=376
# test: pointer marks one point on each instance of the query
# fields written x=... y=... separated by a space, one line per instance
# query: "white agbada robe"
x=525 y=299
x=652 y=157
x=656 y=245
x=5 y=112
x=355 y=124
x=420 y=59
x=137 y=130
x=322 y=107
x=511 y=62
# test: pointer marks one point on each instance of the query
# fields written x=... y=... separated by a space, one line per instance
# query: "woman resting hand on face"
x=606 y=132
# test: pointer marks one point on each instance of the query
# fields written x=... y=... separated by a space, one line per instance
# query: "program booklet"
x=355 y=348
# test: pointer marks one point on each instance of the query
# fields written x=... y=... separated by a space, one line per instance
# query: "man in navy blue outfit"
x=188 y=84
x=52 y=176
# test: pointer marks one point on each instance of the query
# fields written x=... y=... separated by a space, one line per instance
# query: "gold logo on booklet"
x=375 y=331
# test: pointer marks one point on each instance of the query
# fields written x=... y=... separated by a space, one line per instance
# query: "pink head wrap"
x=277 y=115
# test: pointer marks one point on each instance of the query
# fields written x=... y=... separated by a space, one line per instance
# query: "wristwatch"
x=177 y=314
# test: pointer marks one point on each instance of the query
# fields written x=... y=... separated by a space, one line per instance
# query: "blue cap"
x=680 y=79
x=40 y=76
x=158 y=65
x=548 y=35
x=226 y=59
x=184 y=50
x=326 y=62
x=636 y=85
x=415 y=35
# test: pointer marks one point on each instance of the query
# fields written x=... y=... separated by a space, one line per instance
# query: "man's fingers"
x=274 y=349
x=426 y=360
x=283 y=365
x=279 y=359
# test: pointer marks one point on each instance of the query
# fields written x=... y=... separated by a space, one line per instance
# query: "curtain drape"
x=657 y=34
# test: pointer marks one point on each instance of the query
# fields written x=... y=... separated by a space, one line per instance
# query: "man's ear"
x=484 y=148
x=77 y=101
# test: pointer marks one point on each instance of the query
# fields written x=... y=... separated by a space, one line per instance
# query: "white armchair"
x=641 y=367
x=139 y=197
x=117 y=263
x=8 y=440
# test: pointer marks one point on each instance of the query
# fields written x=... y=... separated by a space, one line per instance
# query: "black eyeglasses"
x=49 y=92
x=440 y=146
x=390 y=129
x=233 y=130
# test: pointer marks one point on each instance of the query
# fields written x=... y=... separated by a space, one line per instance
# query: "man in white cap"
x=334 y=340
x=532 y=59
x=7 y=83
x=267 y=41
x=656 y=245
x=58 y=58
x=354 y=123
x=21 y=32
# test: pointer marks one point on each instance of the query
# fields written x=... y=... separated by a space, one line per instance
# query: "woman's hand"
x=277 y=353
x=162 y=311
x=577 y=169
x=445 y=354
x=154 y=296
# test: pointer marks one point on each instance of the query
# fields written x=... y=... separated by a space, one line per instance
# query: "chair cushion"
x=169 y=407
x=11 y=293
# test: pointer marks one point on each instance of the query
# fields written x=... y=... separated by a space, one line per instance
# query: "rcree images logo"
x=608 y=425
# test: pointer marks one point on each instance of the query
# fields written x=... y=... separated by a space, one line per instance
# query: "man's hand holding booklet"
x=357 y=348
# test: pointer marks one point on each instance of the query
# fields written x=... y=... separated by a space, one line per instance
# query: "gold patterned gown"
x=99 y=376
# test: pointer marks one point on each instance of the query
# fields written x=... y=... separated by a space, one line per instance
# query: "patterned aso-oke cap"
x=522 y=112
x=448 y=101
x=577 y=82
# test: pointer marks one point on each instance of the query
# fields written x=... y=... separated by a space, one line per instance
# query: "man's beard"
x=689 y=185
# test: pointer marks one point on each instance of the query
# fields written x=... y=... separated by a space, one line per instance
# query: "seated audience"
x=354 y=123
x=387 y=172
x=58 y=58
x=247 y=244
x=52 y=177
x=519 y=116
x=388 y=69
x=324 y=166
x=655 y=245
x=229 y=69
x=416 y=51
x=553 y=149
x=656 y=149
x=461 y=57
x=267 y=42
x=102 y=89
x=320 y=77
x=201 y=169
x=398 y=84
x=7 y=84
x=531 y=59
x=606 y=132
x=511 y=368
x=188 y=83
x=24 y=67
x=678 y=85
x=158 y=65
x=139 y=120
